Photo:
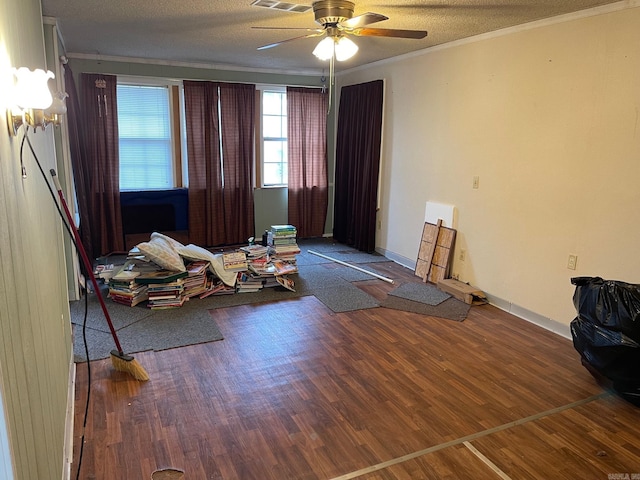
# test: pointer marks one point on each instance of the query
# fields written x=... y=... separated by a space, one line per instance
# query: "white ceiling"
x=219 y=33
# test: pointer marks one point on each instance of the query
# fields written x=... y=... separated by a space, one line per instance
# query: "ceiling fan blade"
x=271 y=45
x=364 y=19
x=458 y=6
x=290 y=28
x=386 y=32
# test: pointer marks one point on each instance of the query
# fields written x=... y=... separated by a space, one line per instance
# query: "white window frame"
x=180 y=176
x=260 y=143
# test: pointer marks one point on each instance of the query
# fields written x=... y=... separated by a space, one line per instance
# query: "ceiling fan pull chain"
x=331 y=80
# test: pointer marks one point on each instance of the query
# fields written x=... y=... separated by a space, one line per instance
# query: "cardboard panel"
x=434 y=253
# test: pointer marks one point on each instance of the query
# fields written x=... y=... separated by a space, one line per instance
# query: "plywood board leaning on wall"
x=434 y=254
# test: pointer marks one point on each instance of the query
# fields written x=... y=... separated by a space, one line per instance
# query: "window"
x=147 y=159
x=274 y=138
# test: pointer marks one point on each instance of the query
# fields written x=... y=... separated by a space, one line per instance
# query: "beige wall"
x=35 y=336
x=548 y=118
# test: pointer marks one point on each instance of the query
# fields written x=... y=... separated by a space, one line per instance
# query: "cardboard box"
x=462 y=291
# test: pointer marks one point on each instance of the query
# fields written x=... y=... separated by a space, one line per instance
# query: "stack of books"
x=258 y=260
x=164 y=288
x=283 y=235
x=255 y=252
x=284 y=246
x=124 y=289
x=235 y=261
x=140 y=263
x=195 y=283
x=215 y=286
x=246 y=283
x=283 y=267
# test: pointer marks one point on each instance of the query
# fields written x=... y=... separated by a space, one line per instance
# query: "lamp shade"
x=31 y=89
x=58 y=107
x=324 y=49
x=345 y=49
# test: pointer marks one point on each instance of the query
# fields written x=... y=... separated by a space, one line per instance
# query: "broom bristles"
x=128 y=364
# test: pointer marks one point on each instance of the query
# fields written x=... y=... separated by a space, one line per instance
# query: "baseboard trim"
x=547 y=323
x=404 y=261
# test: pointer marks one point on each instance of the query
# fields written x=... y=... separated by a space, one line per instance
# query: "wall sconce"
x=34 y=104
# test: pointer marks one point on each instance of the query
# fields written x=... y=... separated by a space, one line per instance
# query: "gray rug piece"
x=451 y=309
x=353 y=275
x=346 y=298
x=162 y=330
x=352 y=257
x=358 y=257
x=121 y=315
x=271 y=294
x=305 y=259
x=420 y=292
x=311 y=277
x=334 y=250
x=322 y=245
x=100 y=344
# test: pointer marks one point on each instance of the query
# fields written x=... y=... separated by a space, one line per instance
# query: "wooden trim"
x=176 y=134
x=258 y=140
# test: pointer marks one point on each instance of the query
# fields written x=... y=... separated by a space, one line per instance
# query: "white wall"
x=548 y=117
x=35 y=334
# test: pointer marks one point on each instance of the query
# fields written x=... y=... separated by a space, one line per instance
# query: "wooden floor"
x=295 y=391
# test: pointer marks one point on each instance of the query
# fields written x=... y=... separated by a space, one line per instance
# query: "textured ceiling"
x=219 y=32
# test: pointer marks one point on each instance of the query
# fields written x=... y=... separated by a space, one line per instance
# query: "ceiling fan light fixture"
x=324 y=49
x=345 y=48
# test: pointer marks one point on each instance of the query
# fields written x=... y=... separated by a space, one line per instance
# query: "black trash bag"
x=609 y=303
x=629 y=391
x=606 y=332
x=610 y=353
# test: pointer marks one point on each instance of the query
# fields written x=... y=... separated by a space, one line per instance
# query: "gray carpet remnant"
x=420 y=292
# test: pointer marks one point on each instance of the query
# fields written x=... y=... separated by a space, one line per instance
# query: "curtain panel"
x=358 y=164
x=206 y=220
x=100 y=170
x=308 y=194
x=237 y=105
x=220 y=147
x=78 y=155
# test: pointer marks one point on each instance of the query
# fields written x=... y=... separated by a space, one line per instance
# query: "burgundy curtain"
x=237 y=115
x=101 y=165
x=307 y=160
x=78 y=156
x=357 y=164
x=220 y=143
x=206 y=219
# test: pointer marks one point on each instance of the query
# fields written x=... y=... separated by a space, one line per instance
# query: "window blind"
x=144 y=128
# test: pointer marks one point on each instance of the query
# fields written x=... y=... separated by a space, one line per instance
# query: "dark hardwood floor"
x=295 y=391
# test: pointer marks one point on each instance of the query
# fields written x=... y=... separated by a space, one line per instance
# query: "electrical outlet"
x=463 y=255
x=476 y=182
x=379 y=224
x=573 y=262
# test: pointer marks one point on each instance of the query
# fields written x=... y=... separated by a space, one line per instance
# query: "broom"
x=119 y=360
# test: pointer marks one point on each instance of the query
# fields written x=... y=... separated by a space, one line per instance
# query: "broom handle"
x=85 y=259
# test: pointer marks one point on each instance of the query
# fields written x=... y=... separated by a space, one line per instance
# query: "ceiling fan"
x=337 y=21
